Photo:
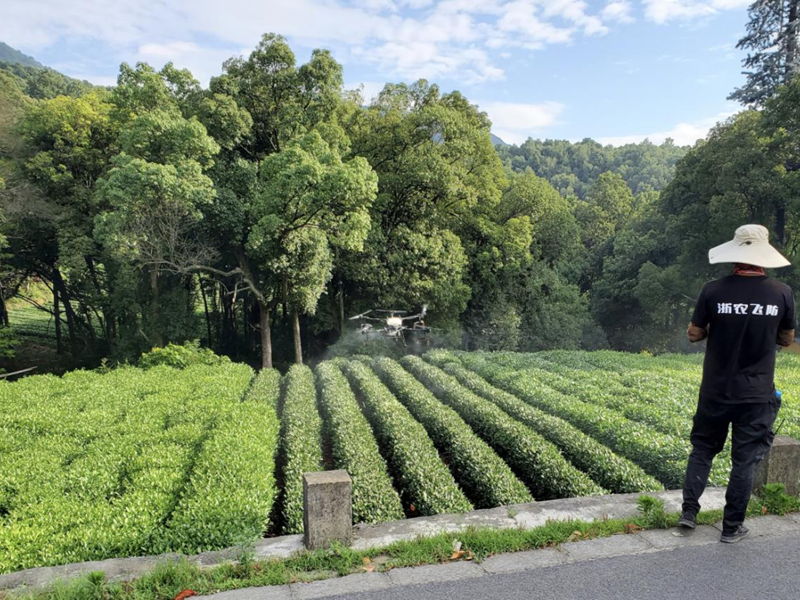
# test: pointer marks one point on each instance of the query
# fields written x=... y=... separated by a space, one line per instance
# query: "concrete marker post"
x=780 y=465
x=327 y=509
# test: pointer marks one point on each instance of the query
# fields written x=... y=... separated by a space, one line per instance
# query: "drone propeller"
x=361 y=316
x=420 y=315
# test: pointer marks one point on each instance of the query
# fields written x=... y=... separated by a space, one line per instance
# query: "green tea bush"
x=301 y=442
x=355 y=450
x=232 y=488
x=593 y=458
x=482 y=473
x=181 y=356
x=422 y=479
x=535 y=459
x=93 y=465
x=659 y=454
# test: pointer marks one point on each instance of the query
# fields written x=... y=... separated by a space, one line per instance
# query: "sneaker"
x=731 y=538
x=688 y=520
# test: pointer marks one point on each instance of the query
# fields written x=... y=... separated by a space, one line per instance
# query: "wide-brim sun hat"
x=750 y=246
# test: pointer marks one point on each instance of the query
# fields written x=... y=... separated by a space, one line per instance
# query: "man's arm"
x=697 y=334
x=785 y=337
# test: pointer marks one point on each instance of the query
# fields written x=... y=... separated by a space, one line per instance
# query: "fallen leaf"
x=469 y=555
x=764 y=510
x=456 y=555
x=185 y=594
x=576 y=535
x=456 y=545
x=366 y=560
x=369 y=568
x=412 y=508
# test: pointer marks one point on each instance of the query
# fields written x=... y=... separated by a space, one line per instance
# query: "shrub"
x=424 y=483
x=301 y=442
x=232 y=489
x=657 y=453
x=355 y=450
x=181 y=356
x=606 y=468
x=93 y=466
x=535 y=459
x=489 y=481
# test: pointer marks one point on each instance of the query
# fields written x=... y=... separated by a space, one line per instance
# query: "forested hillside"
x=572 y=168
x=261 y=212
x=14 y=56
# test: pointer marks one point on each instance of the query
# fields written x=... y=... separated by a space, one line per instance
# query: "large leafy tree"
x=69 y=143
x=261 y=106
x=437 y=169
x=311 y=202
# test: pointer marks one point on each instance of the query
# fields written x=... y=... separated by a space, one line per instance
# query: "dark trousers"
x=752 y=439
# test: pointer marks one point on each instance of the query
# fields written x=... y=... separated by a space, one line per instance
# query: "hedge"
x=659 y=454
x=355 y=450
x=301 y=442
x=232 y=489
x=613 y=472
x=424 y=482
x=536 y=460
x=573 y=375
x=93 y=466
x=481 y=472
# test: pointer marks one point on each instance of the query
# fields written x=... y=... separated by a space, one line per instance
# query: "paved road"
x=767 y=567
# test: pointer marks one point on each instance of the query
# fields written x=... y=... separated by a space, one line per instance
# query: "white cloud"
x=664 y=11
x=369 y=89
x=684 y=134
x=204 y=63
x=448 y=38
x=618 y=10
x=520 y=16
x=515 y=122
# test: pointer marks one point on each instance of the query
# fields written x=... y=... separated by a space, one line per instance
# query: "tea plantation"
x=136 y=462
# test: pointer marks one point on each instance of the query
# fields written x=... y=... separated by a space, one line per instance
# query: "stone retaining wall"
x=526 y=516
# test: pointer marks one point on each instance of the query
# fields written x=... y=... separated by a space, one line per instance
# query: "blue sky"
x=615 y=71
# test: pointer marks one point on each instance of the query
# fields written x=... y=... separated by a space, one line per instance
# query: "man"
x=743 y=316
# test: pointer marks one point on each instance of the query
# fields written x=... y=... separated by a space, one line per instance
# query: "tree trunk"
x=780 y=224
x=266 y=335
x=791 y=41
x=108 y=312
x=341 y=308
x=155 y=325
x=205 y=307
x=285 y=294
x=57 y=315
x=61 y=289
x=3 y=310
x=298 y=347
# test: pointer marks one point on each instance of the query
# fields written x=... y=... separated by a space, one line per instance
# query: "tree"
x=773 y=35
x=781 y=125
x=572 y=168
x=257 y=108
x=311 y=202
x=604 y=213
x=437 y=170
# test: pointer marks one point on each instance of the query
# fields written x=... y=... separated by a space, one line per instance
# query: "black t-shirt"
x=744 y=315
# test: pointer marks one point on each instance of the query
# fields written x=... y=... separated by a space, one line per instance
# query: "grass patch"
x=170 y=579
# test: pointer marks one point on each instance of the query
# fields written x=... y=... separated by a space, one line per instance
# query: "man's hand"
x=697 y=334
x=785 y=337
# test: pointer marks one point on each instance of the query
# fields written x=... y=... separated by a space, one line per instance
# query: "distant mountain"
x=11 y=55
x=497 y=141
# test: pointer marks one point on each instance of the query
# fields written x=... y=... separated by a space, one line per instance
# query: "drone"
x=396 y=326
